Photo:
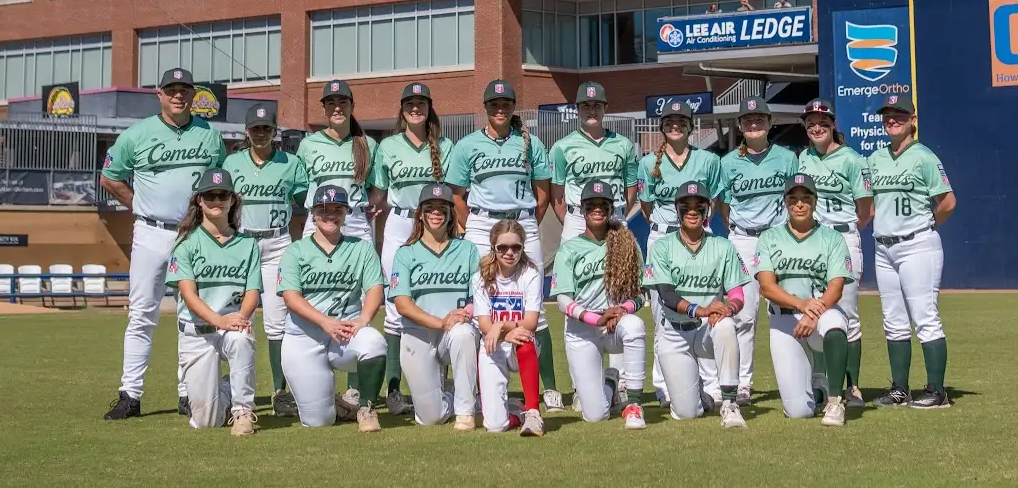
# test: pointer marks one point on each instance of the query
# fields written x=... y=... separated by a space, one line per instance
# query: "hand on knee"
x=724 y=333
x=830 y=320
x=463 y=333
x=631 y=327
x=369 y=343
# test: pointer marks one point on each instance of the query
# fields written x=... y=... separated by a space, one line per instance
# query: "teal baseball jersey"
x=437 y=283
x=700 y=165
x=804 y=267
x=579 y=270
x=333 y=283
x=330 y=162
x=166 y=162
x=755 y=185
x=495 y=172
x=842 y=176
x=403 y=169
x=576 y=159
x=267 y=190
x=222 y=272
x=903 y=188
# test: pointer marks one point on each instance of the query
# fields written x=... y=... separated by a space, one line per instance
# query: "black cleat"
x=895 y=397
x=123 y=407
x=183 y=406
x=931 y=398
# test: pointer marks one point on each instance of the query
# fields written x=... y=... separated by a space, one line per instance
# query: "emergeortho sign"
x=741 y=29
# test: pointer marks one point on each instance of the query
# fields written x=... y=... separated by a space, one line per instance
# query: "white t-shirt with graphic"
x=516 y=295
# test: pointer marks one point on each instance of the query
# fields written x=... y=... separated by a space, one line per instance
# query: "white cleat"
x=553 y=401
x=742 y=397
x=634 y=417
x=731 y=416
x=576 y=402
x=347 y=406
x=533 y=424
x=834 y=413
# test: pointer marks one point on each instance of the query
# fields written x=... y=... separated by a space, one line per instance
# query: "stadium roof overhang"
x=782 y=63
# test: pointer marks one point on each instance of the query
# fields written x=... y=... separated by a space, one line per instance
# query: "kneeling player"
x=218 y=273
x=690 y=269
x=322 y=279
x=597 y=280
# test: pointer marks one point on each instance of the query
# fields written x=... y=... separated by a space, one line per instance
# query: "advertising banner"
x=210 y=101
x=24 y=188
x=701 y=103
x=72 y=188
x=725 y=31
x=61 y=100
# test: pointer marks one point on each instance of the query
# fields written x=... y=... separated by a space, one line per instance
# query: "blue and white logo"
x=671 y=35
x=871 y=50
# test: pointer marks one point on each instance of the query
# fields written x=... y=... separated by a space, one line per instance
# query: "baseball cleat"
x=895 y=397
x=533 y=424
x=742 y=397
x=621 y=393
x=553 y=401
x=931 y=398
x=183 y=406
x=397 y=403
x=662 y=399
x=243 y=422
x=708 y=402
x=576 y=402
x=612 y=378
x=465 y=423
x=634 y=417
x=731 y=416
x=283 y=404
x=123 y=407
x=718 y=398
x=834 y=413
x=854 y=399
x=347 y=406
x=367 y=419
x=821 y=392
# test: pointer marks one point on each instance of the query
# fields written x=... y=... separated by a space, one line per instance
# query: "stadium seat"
x=29 y=284
x=62 y=285
x=96 y=284
x=5 y=283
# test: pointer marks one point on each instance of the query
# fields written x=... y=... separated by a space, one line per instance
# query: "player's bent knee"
x=317 y=419
x=368 y=343
x=463 y=333
x=725 y=333
x=632 y=327
x=831 y=320
x=799 y=409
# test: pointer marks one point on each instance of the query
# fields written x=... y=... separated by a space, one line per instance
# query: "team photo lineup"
x=443 y=241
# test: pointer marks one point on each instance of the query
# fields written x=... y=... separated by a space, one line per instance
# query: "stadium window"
x=26 y=66
x=221 y=52
x=390 y=38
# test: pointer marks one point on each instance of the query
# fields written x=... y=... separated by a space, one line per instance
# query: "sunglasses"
x=794 y=199
x=212 y=196
x=504 y=248
x=604 y=207
x=685 y=208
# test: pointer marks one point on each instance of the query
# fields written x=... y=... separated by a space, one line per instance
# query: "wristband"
x=691 y=311
x=590 y=318
x=629 y=306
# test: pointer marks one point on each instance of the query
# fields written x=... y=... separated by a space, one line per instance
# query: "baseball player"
x=698 y=278
x=587 y=154
x=505 y=169
x=332 y=286
x=407 y=161
x=753 y=176
x=845 y=204
x=597 y=283
x=166 y=154
x=269 y=180
x=912 y=198
x=802 y=268
x=660 y=178
x=430 y=284
x=507 y=303
x=217 y=271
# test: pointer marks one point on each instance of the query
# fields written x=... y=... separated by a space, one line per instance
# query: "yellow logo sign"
x=205 y=103
x=60 y=101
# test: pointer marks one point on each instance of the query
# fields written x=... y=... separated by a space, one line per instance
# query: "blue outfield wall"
x=962 y=116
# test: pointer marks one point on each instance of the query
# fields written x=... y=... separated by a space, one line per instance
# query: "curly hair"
x=622 y=263
x=489 y=262
x=433 y=128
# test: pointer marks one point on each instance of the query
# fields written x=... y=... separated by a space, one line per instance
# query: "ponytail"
x=516 y=122
x=658 y=154
x=361 y=153
x=622 y=270
x=743 y=148
x=433 y=129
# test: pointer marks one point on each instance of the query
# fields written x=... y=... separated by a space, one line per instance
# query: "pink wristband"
x=469 y=309
x=591 y=318
x=737 y=298
x=629 y=306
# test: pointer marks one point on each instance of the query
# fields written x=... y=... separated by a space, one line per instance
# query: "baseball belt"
x=158 y=224
x=892 y=240
x=267 y=234
x=503 y=214
x=749 y=232
x=403 y=212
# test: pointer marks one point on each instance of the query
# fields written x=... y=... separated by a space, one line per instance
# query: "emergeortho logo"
x=870 y=49
x=873 y=90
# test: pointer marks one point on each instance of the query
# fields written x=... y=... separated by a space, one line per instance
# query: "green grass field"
x=61 y=370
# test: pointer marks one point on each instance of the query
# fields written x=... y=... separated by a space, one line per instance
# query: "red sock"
x=530 y=375
x=514 y=422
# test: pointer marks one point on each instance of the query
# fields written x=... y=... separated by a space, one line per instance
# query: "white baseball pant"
x=355 y=225
x=745 y=320
x=273 y=307
x=681 y=351
x=493 y=376
x=575 y=225
x=849 y=303
x=793 y=359
x=585 y=346
x=423 y=353
x=309 y=364
x=397 y=231
x=908 y=278
x=199 y=357
x=478 y=231
x=707 y=365
x=150 y=254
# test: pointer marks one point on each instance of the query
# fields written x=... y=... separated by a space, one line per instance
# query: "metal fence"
x=38 y=141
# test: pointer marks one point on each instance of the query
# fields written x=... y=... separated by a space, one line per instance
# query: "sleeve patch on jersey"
x=553 y=279
x=640 y=184
x=866 y=183
x=648 y=271
x=943 y=174
x=848 y=264
x=756 y=261
x=394 y=280
x=279 y=276
x=743 y=264
x=109 y=160
x=173 y=265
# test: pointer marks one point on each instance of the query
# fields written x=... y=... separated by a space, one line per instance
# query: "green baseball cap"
x=677 y=108
x=591 y=91
x=597 y=189
x=897 y=102
x=260 y=114
x=499 y=89
x=416 y=90
x=330 y=194
x=817 y=106
x=800 y=180
x=692 y=189
x=754 y=105
x=435 y=191
x=215 y=179
x=336 y=88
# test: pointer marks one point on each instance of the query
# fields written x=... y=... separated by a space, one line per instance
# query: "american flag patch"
x=279 y=276
x=741 y=263
x=648 y=271
x=554 y=277
x=394 y=280
x=173 y=265
x=108 y=161
x=756 y=260
x=640 y=184
x=866 y=182
x=848 y=264
x=943 y=174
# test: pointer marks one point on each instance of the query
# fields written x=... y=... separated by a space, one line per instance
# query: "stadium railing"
x=16 y=295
